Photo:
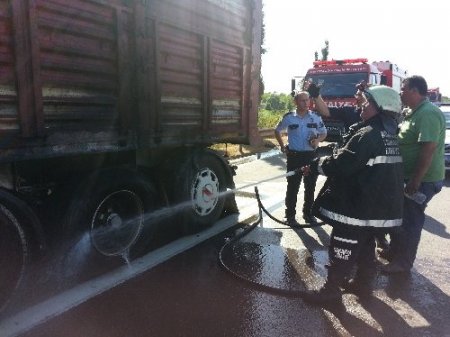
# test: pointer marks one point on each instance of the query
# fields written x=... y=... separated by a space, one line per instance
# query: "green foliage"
x=273 y=107
x=275 y=102
x=325 y=52
x=268 y=119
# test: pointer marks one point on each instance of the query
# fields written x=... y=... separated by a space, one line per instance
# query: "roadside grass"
x=233 y=151
x=267 y=119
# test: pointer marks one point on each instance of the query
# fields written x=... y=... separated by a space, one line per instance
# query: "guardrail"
x=266 y=132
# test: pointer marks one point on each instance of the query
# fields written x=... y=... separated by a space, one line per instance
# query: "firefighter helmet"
x=389 y=105
x=385 y=98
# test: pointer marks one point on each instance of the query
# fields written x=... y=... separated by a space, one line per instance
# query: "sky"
x=413 y=35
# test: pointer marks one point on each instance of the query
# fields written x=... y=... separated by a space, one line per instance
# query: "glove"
x=361 y=86
x=313 y=90
x=305 y=170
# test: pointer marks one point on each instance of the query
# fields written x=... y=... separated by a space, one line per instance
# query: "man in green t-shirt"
x=422 y=141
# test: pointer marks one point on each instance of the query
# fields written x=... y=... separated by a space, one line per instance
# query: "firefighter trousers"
x=350 y=247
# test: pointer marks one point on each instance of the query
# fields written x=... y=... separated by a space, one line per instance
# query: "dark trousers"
x=405 y=241
x=351 y=247
x=294 y=161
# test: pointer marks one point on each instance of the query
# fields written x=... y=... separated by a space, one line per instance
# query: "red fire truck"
x=435 y=96
x=338 y=78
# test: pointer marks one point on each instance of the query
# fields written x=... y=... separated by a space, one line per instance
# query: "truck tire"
x=17 y=243
x=199 y=186
x=13 y=255
x=112 y=205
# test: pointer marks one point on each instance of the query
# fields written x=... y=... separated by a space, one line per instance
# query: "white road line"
x=44 y=311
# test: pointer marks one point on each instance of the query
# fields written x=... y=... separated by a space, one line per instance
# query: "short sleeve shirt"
x=424 y=124
x=301 y=129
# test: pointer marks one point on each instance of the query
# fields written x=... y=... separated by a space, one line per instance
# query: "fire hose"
x=246 y=231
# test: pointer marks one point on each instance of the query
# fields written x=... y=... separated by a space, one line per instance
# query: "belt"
x=300 y=152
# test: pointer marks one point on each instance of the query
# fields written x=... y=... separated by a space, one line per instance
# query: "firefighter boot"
x=357 y=287
x=329 y=293
x=361 y=285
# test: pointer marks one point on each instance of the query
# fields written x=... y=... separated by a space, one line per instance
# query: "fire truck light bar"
x=339 y=62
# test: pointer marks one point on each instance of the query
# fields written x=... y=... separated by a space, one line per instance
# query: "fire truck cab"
x=434 y=96
x=338 y=78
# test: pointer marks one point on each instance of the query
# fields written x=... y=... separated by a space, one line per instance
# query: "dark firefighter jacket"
x=364 y=184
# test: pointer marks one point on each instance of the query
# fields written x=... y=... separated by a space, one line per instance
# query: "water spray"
x=102 y=234
x=285 y=175
x=168 y=211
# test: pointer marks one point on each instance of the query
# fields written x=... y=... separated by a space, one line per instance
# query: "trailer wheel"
x=200 y=183
x=117 y=222
x=112 y=205
x=21 y=239
x=14 y=254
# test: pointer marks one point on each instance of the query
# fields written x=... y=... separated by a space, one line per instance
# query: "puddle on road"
x=275 y=267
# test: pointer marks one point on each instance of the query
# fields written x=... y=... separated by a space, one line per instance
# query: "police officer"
x=363 y=195
x=305 y=129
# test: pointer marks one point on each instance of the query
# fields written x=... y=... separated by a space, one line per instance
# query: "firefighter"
x=352 y=121
x=380 y=239
x=305 y=129
x=362 y=196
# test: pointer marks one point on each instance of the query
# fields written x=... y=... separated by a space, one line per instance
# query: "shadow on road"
x=435 y=227
x=402 y=306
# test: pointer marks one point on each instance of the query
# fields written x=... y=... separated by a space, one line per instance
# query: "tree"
x=325 y=52
x=277 y=102
x=263 y=51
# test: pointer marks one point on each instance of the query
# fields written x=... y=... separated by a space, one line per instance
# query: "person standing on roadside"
x=305 y=130
x=362 y=196
x=422 y=141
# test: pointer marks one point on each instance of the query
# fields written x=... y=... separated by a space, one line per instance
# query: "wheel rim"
x=205 y=192
x=117 y=222
x=13 y=254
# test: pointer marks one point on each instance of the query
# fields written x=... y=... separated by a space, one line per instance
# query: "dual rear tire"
x=199 y=189
x=18 y=243
x=112 y=205
x=115 y=205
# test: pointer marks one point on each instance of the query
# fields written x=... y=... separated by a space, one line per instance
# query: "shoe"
x=326 y=294
x=310 y=219
x=393 y=268
x=291 y=222
x=358 y=288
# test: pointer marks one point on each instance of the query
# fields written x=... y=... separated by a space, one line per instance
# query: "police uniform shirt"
x=301 y=129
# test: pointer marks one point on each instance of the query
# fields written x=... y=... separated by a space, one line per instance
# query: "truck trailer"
x=108 y=109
